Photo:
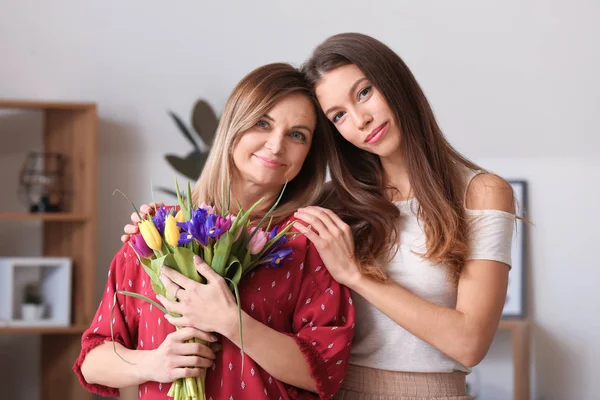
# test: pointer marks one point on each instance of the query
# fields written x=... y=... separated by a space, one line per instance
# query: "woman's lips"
x=267 y=162
x=377 y=134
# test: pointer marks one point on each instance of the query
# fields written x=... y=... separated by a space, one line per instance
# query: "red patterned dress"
x=300 y=298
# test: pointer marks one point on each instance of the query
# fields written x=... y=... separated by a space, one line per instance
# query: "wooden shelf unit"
x=519 y=332
x=71 y=130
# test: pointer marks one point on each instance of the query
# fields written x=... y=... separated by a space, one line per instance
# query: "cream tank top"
x=381 y=343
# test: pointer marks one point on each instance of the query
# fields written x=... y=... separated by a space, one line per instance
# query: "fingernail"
x=197 y=259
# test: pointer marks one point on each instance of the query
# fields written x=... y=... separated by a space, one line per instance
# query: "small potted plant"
x=32 y=308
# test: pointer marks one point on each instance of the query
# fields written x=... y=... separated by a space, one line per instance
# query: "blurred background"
x=514 y=85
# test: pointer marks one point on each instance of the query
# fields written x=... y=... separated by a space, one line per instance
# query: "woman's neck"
x=248 y=193
x=395 y=173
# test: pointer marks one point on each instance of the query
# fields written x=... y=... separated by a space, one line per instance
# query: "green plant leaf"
x=132 y=204
x=184 y=209
x=144 y=298
x=189 y=199
x=269 y=212
x=233 y=271
x=184 y=258
x=222 y=250
x=112 y=332
x=184 y=130
x=204 y=121
x=237 y=299
x=189 y=166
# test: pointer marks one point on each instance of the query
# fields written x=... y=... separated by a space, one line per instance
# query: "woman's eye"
x=337 y=117
x=363 y=93
x=262 y=124
x=298 y=136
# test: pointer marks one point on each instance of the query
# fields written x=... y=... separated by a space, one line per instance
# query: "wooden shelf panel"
x=57 y=217
x=512 y=324
x=45 y=105
x=42 y=329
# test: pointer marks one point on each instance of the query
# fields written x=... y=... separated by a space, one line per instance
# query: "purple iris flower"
x=195 y=228
x=211 y=226
x=277 y=258
x=279 y=243
x=159 y=219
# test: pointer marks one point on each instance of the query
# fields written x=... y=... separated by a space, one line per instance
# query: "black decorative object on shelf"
x=41 y=182
x=204 y=123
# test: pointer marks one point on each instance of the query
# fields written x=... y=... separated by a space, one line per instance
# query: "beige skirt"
x=362 y=383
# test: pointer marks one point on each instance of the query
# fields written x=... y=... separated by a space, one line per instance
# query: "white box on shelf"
x=51 y=276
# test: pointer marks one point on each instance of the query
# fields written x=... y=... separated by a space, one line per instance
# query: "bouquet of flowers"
x=224 y=241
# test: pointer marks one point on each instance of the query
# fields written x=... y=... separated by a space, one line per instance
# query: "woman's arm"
x=267 y=346
x=220 y=314
x=464 y=333
x=322 y=328
x=172 y=360
x=101 y=370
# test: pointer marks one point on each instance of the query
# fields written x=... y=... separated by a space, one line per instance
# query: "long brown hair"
x=251 y=99
x=359 y=191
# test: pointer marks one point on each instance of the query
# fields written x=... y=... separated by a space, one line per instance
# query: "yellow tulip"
x=150 y=235
x=172 y=231
x=179 y=217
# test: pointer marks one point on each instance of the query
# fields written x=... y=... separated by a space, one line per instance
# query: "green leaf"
x=221 y=255
x=157 y=263
x=182 y=205
x=189 y=199
x=240 y=243
x=208 y=254
x=233 y=270
x=112 y=332
x=184 y=129
x=144 y=298
x=269 y=224
x=134 y=207
x=247 y=258
x=184 y=258
x=204 y=121
x=270 y=210
x=237 y=299
x=157 y=285
x=245 y=216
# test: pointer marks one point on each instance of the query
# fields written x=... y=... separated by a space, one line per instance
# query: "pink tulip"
x=258 y=241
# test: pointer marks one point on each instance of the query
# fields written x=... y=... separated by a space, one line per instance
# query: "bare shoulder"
x=490 y=192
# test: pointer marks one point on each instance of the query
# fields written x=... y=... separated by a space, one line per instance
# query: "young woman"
x=297 y=321
x=419 y=233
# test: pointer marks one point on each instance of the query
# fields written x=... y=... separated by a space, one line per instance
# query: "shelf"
x=45 y=105
x=69 y=128
x=57 y=217
x=512 y=324
x=42 y=329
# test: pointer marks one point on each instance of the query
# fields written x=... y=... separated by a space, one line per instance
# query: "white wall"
x=514 y=84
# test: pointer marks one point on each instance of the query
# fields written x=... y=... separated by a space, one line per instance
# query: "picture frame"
x=516 y=296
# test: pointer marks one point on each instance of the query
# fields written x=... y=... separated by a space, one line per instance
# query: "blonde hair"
x=252 y=98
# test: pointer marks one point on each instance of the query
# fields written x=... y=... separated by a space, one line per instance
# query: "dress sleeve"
x=323 y=326
x=124 y=322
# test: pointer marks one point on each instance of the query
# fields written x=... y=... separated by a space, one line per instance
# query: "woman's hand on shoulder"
x=333 y=239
